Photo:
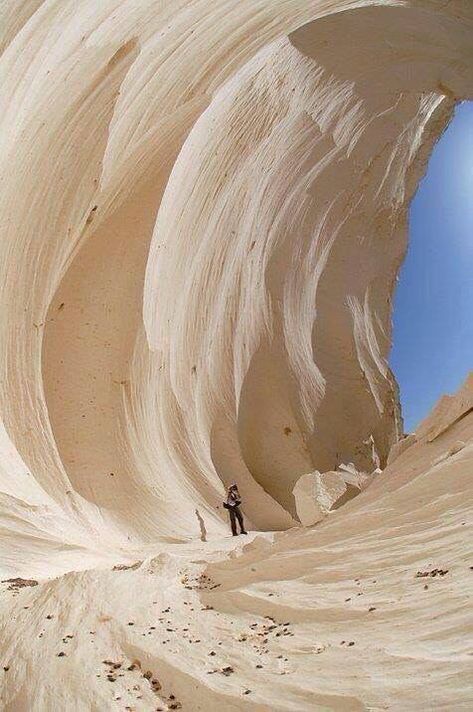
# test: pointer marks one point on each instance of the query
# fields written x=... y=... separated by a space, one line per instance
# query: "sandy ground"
x=307 y=619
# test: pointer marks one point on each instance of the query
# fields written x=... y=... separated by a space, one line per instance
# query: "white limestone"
x=203 y=211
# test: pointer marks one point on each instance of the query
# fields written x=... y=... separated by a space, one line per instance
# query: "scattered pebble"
x=432 y=573
x=17 y=583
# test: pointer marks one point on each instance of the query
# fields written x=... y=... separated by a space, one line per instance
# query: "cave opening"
x=432 y=349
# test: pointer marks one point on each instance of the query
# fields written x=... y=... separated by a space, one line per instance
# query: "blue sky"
x=433 y=310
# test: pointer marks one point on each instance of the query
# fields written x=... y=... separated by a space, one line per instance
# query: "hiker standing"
x=233 y=505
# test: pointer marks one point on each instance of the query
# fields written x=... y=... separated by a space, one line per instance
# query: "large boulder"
x=317 y=494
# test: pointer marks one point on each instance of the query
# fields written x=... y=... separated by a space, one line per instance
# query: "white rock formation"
x=203 y=213
x=316 y=493
x=360 y=480
x=449 y=410
x=401 y=446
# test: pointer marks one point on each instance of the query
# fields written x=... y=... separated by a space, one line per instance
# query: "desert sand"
x=203 y=214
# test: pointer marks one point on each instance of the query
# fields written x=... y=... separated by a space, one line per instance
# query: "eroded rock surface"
x=202 y=213
x=317 y=494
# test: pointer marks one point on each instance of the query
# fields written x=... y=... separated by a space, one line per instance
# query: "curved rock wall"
x=203 y=214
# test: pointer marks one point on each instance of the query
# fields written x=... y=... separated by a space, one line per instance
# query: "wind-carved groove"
x=203 y=213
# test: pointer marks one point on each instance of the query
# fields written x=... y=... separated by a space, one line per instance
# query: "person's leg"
x=233 y=521
x=240 y=519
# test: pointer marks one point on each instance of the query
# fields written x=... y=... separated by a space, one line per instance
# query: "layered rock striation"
x=203 y=213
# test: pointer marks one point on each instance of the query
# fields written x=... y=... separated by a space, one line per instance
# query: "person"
x=233 y=505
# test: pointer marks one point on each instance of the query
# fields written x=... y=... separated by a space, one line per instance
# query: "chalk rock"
x=355 y=478
x=455 y=448
x=315 y=494
x=349 y=468
x=203 y=210
x=447 y=412
x=400 y=447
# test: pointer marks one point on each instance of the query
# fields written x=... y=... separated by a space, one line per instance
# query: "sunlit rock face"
x=203 y=212
x=316 y=493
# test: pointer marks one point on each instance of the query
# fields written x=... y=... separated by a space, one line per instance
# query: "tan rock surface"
x=447 y=412
x=203 y=212
x=316 y=493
